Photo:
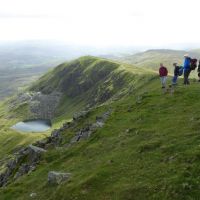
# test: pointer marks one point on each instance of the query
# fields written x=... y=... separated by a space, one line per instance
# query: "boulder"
x=55 y=133
x=12 y=164
x=37 y=150
x=33 y=195
x=56 y=178
x=75 y=139
x=23 y=169
x=80 y=115
x=56 y=137
x=66 y=125
x=35 y=153
x=41 y=143
x=97 y=124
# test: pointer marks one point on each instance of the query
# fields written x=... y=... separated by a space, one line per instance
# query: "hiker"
x=198 y=70
x=163 y=75
x=187 y=70
x=176 y=73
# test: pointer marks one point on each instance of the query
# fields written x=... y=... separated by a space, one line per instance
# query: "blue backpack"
x=180 y=71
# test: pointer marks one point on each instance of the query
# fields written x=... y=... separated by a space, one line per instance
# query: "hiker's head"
x=161 y=64
x=174 y=64
x=186 y=55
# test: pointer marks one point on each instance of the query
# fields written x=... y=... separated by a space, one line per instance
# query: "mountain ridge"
x=146 y=145
x=152 y=58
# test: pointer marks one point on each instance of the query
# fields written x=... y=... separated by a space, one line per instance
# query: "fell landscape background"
x=82 y=112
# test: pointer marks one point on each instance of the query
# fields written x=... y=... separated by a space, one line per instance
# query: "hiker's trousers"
x=186 y=76
x=163 y=80
x=174 y=80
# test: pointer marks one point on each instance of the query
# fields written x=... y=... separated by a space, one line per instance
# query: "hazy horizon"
x=112 y=47
x=141 y=24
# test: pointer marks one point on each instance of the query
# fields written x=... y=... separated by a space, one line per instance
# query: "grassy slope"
x=9 y=138
x=158 y=158
x=151 y=59
x=87 y=80
x=91 y=67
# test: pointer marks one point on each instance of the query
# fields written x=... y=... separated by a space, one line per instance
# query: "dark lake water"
x=32 y=126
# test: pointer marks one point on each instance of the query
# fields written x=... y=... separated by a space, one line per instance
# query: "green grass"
x=151 y=59
x=146 y=150
x=158 y=158
x=94 y=74
x=9 y=138
x=89 y=81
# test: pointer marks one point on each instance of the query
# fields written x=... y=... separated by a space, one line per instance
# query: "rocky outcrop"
x=41 y=106
x=56 y=178
x=55 y=139
x=86 y=132
x=20 y=99
x=25 y=160
x=80 y=115
x=16 y=166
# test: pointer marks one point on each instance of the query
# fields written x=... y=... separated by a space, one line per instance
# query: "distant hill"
x=88 y=81
x=24 y=61
x=38 y=53
x=34 y=54
x=152 y=58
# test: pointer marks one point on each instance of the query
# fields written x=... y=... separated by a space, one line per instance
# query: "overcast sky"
x=102 y=22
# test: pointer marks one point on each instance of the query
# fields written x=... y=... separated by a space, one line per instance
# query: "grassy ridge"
x=148 y=148
x=151 y=59
x=99 y=75
x=90 y=81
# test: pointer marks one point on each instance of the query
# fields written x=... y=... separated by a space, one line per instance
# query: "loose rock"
x=33 y=195
x=56 y=178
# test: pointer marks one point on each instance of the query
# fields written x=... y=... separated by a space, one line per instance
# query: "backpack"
x=193 y=63
x=180 y=71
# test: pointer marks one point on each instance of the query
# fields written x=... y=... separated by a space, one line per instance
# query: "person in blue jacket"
x=187 y=70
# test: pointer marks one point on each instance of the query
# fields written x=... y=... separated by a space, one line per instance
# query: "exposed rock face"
x=56 y=178
x=85 y=132
x=80 y=115
x=36 y=150
x=15 y=166
x=54 y=140
x=20 y=99
x=35 y=153
x=42 y=106
x=56 y=137
x=24 y=169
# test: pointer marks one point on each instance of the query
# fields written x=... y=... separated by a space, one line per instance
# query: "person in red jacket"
x=163 y=75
